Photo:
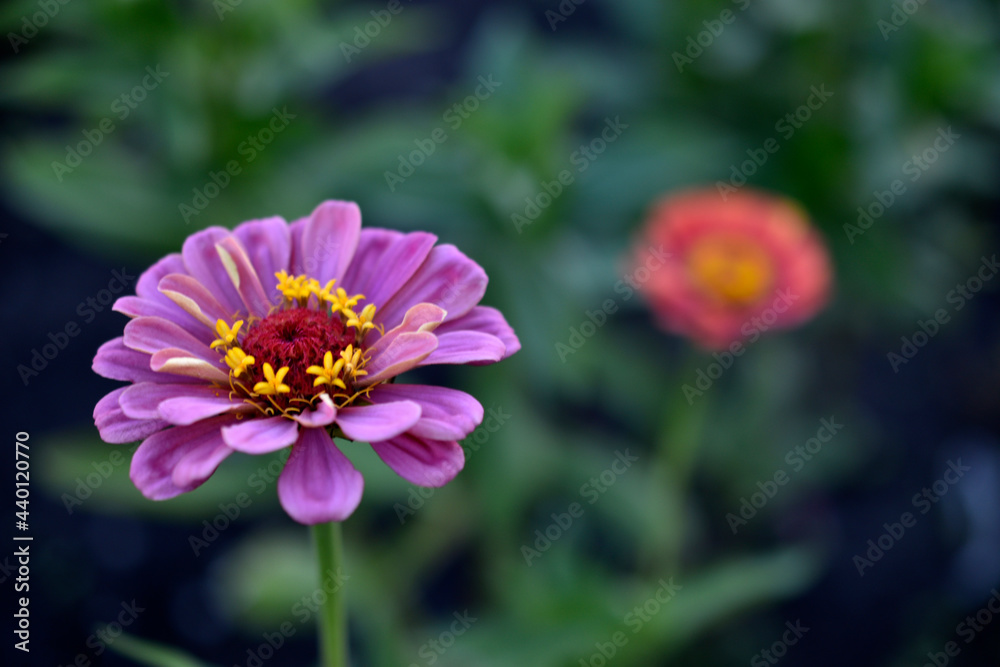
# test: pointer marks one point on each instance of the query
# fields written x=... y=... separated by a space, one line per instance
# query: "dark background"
x=462 y=549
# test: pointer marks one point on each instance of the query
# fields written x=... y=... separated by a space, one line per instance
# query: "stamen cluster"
x=311 y=344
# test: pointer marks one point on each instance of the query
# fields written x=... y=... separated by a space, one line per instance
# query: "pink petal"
x=385 y=260
x=485 y=320
x=268 y=245
x=422 y=317
x=466 y=347
x=323 y=414
x=421 y=461
x=404 y=353
x=295 y=231
x=319 y=484
x=117 y=362
x=203 y=263
x=244 y=277
x=142 y=400
x=147 y=289
x=195 y=299
x=137 y=306
x=118 y=428
x=329 y=240
x=179 y=362
x=152 y=334
x=262 y=435
x=447 y=278
x=445 y=414
x=185 y=410
x=179 y=459
x=147 y=286
x=372 y=423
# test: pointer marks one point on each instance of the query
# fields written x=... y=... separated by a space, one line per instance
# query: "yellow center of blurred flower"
x=733 y=270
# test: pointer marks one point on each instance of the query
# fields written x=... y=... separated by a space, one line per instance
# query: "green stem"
x=680 y=439
x=679 y=447
x=333 y=615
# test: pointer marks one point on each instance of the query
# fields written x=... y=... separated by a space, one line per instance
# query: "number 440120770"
x=21 y=478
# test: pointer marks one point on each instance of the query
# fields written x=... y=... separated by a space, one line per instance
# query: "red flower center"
x=296 y=338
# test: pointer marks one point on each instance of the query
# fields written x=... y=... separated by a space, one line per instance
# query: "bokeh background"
x=356 y=106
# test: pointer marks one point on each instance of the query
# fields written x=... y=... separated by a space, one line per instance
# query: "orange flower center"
x=732 y=270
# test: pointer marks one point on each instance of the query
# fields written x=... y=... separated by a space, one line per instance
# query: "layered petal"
x=261 y=436
x=466 y=347
x=323 y=414
x=445 y=414
x=318 y=484
x=370 y=423
x=148 y=283
x=244 y=276
x=329 y=239
x=447 y=278
x=117 y=362
x=385 y=261
x=179 y=459
x=185 y=410
x=421 y=317
x=194 y=404
x=422 y=461
x=268 y=245
x=147 y=290
x=404 y=353
x=180 y=362
x=203 y=263
x=485 y=320
x=137 y=306
x=152 y=334
x=195 y=299
x=142 y=400
x=118 y=428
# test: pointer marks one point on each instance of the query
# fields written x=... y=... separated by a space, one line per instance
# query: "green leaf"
x=721 y=592
x=152 y=654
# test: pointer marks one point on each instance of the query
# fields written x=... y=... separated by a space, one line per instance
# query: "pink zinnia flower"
x=735 y=267
x=275 y=335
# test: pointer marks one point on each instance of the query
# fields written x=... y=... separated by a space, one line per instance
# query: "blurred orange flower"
x=737 y=266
